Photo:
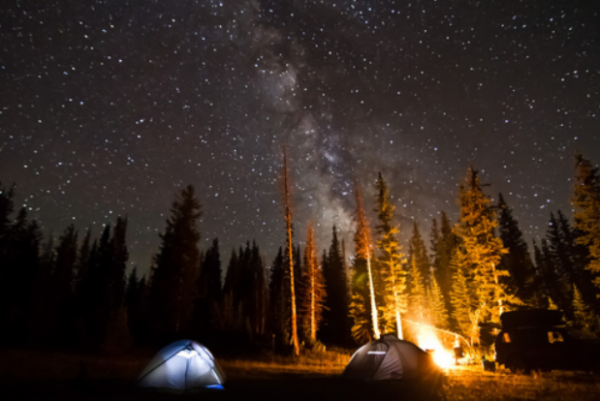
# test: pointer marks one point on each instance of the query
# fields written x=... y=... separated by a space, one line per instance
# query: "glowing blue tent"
x=182 y=366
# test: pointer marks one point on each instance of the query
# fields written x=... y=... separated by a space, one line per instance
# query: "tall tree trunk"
x=313 y=323
x=374 y=315
x=399 y=324
x=290 y=251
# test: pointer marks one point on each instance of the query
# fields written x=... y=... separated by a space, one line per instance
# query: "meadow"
x=35 y=374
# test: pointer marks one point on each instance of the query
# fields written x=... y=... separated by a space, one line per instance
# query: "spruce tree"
x=83 y=264
x=209 y=280
x=390 y=259
x=6 y=210
x=586 y=202
x=279 y=307
x=336 y=326
x=174 y=278
x=578 y=257
x=586 y=321
x=363 y=255
x=480 y=251
x=133 y=303
x=257 y=301
x=417 y=302
x=62 y=297
x=313 y=289
x=518 y=260
x=463 y=299
x=232 y=314
x=553 y=277
x=21 y=263
x=443 y=249
x=437 y=303
x=418 y=253
x=116 y=276
x=557 y=254
x=40 y=319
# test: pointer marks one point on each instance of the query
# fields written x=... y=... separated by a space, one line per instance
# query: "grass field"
x=28 y=374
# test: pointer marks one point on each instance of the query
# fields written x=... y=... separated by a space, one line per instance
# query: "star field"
x=109 y=107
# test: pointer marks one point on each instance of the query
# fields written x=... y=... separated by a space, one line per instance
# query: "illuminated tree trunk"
x=372 y=293
x=399 y=324
x=363 y=243
x=290 y=252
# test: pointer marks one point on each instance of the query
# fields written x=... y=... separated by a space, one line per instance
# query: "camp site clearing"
x=31 y=375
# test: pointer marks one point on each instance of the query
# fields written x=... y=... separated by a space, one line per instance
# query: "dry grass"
x=472 y=383
x=319 y=363
x=462 y=383
x=34 y=366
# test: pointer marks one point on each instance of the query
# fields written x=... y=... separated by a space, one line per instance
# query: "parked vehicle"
x=539 y=340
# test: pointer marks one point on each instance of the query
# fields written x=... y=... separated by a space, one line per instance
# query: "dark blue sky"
x=110 y=107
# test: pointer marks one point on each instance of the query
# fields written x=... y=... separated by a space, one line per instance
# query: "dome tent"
x=183 y=366
x=389 y=359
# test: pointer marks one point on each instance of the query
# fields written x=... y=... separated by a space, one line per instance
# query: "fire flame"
x=441 y=356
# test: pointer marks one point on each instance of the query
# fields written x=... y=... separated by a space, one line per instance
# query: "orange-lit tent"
x=389 y=359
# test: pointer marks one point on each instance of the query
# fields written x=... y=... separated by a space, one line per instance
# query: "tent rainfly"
x=389 y=359
x=182 y=366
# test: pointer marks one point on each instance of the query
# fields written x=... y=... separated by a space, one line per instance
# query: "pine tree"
x=417 y=302
x=232 y=314
x=480 y=251
x=586 y=202
x=462 y=299
x=19 y=271
x=443 y=248
x=83 y=264
x=336 y=327
x=418 y=253
x=364 y=253
x=585 y=319
x=133 y=303
x=6 y=209
x=40 y=320
x=279 y=307
x=439 y=313
x=313 y=290
x=390 y=259
x=62 y=297
x=174 y=278
x=578 y=257
x=518 y=260
x=257 y=301
x=290 y=258
x=552 y=277
x=115 y=290
x=557 y=255
x=209 y=280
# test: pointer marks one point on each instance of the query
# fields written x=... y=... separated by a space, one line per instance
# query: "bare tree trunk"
x=313 y=325
x=374 y=316
x=290 y=251
x=398 y=318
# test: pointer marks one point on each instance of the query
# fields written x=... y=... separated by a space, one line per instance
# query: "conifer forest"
x=300 y=199
x=73 y=290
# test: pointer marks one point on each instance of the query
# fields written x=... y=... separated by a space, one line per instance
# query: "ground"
x=58 y=376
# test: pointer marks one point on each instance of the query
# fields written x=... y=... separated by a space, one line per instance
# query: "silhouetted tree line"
x=72 y=291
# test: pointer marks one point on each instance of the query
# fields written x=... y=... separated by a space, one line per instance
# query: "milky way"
x=110 y=107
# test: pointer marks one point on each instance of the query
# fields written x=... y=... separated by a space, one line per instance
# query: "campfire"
x=429 y=341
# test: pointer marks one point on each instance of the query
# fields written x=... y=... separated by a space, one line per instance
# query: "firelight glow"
x=427 y=340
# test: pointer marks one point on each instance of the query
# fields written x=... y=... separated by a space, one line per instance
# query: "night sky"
x=109 y=107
